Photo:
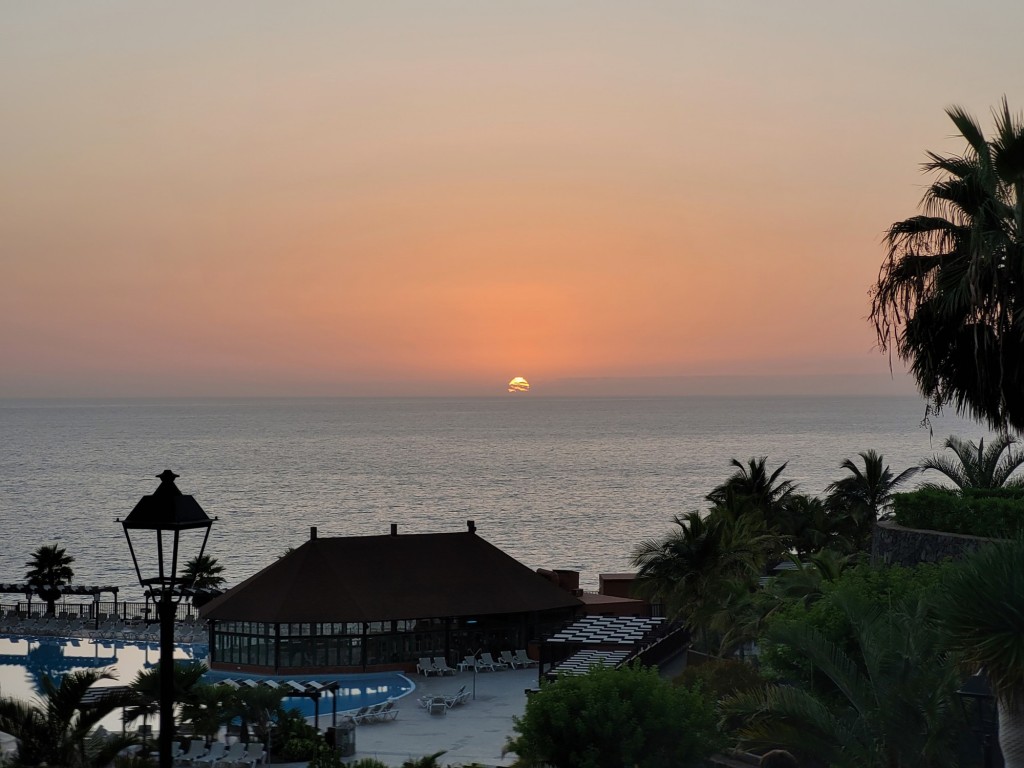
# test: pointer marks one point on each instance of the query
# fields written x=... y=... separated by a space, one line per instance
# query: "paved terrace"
x=474 y=732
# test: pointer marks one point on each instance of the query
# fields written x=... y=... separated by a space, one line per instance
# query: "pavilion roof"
x=379 y=578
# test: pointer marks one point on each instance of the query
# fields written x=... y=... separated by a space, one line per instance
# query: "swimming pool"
x=24 y=661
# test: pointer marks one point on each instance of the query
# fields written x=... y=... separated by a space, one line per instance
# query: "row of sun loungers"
x=487 y=662
x=373 y=713
x=439 y=665
x=220 y=754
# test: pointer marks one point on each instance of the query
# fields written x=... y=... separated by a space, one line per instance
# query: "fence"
x=126 y=611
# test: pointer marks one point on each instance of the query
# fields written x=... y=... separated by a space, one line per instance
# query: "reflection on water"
x=25 y=661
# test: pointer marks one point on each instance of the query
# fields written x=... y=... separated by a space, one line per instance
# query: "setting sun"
x=519 y=384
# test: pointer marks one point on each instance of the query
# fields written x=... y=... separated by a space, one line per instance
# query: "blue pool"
x=24 y=661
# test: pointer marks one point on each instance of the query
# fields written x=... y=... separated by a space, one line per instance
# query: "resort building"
x=366 y=603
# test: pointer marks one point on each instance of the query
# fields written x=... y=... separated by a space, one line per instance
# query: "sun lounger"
x=426 y=667
x=254 y=755
x=441 y=665
x=196 y=749
x=487 y=660
x=217 y=751
x=459 y=697
x=370 y=715
x=468 y=662
x=234 y=754
x=523 y=660
x=508 y=659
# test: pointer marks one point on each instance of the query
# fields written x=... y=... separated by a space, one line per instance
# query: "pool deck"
x=473 y=732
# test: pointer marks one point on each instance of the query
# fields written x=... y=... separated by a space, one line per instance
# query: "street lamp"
x=154 y=531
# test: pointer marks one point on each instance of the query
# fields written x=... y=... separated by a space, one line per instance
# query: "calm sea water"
x=564 y=483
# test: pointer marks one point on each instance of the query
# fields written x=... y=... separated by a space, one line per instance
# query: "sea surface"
x=555 y=482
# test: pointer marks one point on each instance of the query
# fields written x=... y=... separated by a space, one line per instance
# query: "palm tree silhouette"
x=976 y=466
x=48 y=570
x=949 y=298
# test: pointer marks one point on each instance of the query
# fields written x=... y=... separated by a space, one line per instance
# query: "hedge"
x=997 y=513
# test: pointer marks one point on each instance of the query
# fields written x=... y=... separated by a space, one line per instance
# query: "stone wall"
x=892 y=544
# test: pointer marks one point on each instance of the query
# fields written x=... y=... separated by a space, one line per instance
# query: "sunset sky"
x=334 y=198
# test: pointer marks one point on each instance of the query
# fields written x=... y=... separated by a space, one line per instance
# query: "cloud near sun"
x=519 y=384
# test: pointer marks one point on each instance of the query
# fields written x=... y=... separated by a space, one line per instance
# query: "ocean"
x=555 y=482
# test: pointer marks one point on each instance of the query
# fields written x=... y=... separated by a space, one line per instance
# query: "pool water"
x=24 y=661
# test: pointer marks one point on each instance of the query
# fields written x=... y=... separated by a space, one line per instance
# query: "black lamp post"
x=154 y=531
x=979 y=705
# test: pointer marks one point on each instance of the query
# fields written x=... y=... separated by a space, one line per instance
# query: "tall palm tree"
x=754 y=484
x=692 y=568
x=976 y=466
x=948 y=298
x=48 y=570
x=146 y=688
x=59 y=729
x=865 y=495
x=202 y=572
x=890 y=703
x=982 y=611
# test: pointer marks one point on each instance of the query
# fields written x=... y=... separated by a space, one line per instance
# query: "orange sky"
x=239 y=199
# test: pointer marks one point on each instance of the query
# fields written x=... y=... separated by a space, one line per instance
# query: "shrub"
x=721 y=677
x=995 y=512
x=860 y=585
x=609 y=718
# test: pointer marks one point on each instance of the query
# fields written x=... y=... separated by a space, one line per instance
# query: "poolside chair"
x=523 y=660
x=388 y=711
x=487 y=660
x=457 y=698
x=196 y=749
x=426 y=667
x=441 y=665
x=356 y=715
x=468 y=662
x=234 y=754
x=370 y=715
x=254 y=754
x=217 y=751
x=508 y=659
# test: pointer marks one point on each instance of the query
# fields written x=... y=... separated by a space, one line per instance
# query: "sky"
x=325 y=198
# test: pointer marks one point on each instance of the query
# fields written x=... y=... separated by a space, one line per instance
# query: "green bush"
x=609 y=718
x=860 y=585
x=996 y=512
x=721 y=677
x=300 y=750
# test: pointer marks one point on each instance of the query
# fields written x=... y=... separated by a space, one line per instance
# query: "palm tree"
x=982 y=611
x=202 y=572
x=49 y=570
x=866 y=494
x=948 y=298
x=754 y=485
x=692 y=568
x=976 y=466
x=58 y=729
x=891 y=703
x=146 y=687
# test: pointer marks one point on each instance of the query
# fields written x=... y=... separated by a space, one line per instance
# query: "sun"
x=519 y=384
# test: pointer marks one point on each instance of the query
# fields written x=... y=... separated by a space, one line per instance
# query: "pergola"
x=28 y=590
